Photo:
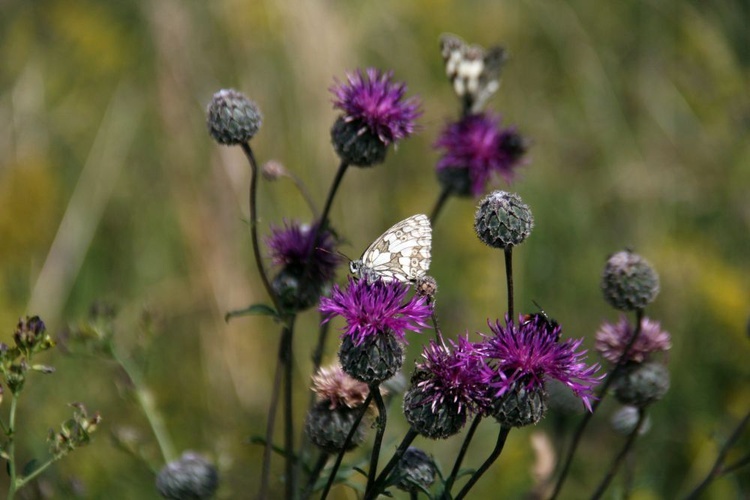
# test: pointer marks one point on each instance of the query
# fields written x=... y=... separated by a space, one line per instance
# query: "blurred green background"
x=111 y=189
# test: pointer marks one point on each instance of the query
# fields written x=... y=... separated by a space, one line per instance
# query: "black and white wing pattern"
x=402 y=253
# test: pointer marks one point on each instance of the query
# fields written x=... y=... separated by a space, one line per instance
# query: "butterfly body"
x=402 y=253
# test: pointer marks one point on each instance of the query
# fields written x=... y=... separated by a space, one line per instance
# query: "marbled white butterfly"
x=402 y=253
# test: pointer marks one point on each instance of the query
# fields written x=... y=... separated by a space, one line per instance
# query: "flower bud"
x=625 y=419
x=502 y=220
x=415 y=471
x=629 y=282
x=376 y=359
x=191 y=477
x=232 y=118
x=642 y=384
x=356 y=145
x=520 y=407
x=429 y=421
x=328 y=428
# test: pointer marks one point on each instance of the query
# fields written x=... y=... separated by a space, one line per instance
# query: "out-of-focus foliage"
x=110 y=188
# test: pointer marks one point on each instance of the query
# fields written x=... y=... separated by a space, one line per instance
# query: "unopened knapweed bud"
x=232 y=118
x=629 y=282
x=625 y=419
x=415 y=471
x=502 y=220
x=520 y=407
x=191 y=477
x=376 y=359
x=642 y=384
x=328 y=427
x=427 y=287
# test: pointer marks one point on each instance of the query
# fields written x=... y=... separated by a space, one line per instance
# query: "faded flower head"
x=449 y=384
x=474 y=149
x=232 y=118
x=525 y=354
x=334 y=387
x=377 y=308
x=375 y=115
x=611 y=340
x=192 y=477
x=307 y=264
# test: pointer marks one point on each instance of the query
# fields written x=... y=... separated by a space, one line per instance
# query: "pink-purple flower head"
x=455 y=374
x=374 y=101
x=528 y=352
x=611 y=340
x=377 y=308
x=295 y=248
x=474 y=149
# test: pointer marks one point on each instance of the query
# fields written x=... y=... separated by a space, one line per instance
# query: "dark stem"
x=501 y=437
x=742 y=462
x=270 y=424
x=382 y=420
x=620 y=456
x=382 y=480
x=343 y=166
x=629 y=477
x=460 y=457
x=315 y=474
x=439 y=204
x=340 y=456
x=600 y=397
x=285 y=356
x=253 y=201
x=509 y=279
x=716 y=470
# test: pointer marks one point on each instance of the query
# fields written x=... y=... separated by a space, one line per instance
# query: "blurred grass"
x=640 y=116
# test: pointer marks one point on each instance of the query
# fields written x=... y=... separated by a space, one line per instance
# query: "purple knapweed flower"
x=611 y=340
x=475 y=148
x=376 y=102
x=528 y=352
x=295 y=247
x=376 y=308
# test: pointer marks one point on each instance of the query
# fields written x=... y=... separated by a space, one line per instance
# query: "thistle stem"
x=600 y=397
x=382 y=479
x=270 y=425
x=349 y=437
x=11 y=447
x=343 y=166
x=315 y=474
x=716 y=470
x=382 y=420
x=509 y=279
x=460 y=457
x=285 y=357
x=439 y=204
x=501 y=437
x=620 y=456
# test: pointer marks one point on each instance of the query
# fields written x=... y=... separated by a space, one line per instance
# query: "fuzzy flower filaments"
x=474 y=149
x=522 y=356
x=449 y=384
x=307 y=265
x=611 y=340
x=377 y=315
x=375 y=115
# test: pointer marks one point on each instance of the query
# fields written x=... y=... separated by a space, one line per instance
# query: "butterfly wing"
x=401 y=253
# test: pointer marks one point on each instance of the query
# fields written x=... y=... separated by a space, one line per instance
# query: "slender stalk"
x=460 y=457
x=304 y=192
x=315 y=474
x=343 y=166
x=439 y=204
x=600 y=397
x=285 y=357
x=509 y=279
x=265 y=474
x=501 y=437
x=146 y=400
x=340 y=456
x=620 y=457
x=716 y=470
x=738 y=464
x=382 y=479
x=253 y=201
x=23 y=481
x=382 y=420
x=11 y=447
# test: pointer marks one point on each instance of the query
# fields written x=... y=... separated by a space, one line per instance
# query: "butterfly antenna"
x=340 y=254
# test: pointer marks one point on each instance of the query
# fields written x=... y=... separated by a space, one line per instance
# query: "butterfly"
x=473 y=71
x=402 y=253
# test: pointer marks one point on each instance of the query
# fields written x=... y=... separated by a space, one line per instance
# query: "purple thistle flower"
x=376 y=308
x=455 y=374
x=372 y=99
x=294 y=247
x=478 y=146
x=526 y=353
x=611 y=340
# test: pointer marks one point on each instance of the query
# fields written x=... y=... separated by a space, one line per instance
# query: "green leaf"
x=30 y=467
x=255 y=309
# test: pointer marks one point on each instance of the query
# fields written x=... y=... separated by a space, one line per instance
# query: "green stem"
x=460 y=457
x=382 y=420
x=11 y=450
x=290 y=458
x=509 y=279
x=146 y=400
x=439 y=204
x=265 y=474
x=382 y=481
x=343 y=166
x=21 y=482
x=501 y=437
